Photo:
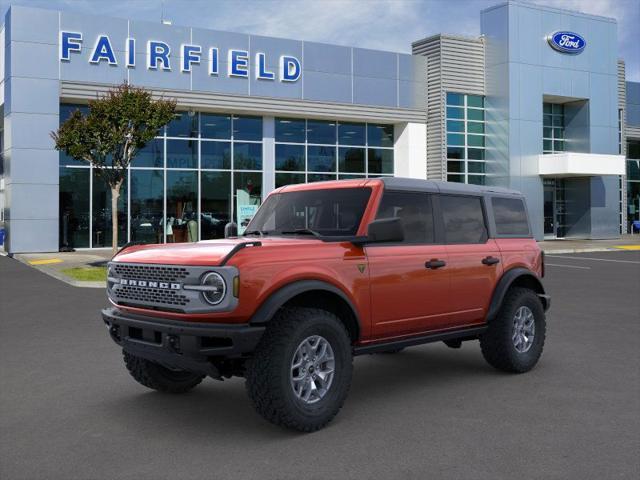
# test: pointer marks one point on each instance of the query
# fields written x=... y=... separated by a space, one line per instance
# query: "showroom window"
x=552 y=128
x=316 y=150
x=465 y=130
x=182 y=186
x=633 y=181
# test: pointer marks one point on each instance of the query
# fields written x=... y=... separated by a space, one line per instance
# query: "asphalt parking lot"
x=69 y=410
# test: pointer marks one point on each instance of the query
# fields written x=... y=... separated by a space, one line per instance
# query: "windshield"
x=326 y=213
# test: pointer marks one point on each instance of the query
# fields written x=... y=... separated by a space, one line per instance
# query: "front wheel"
x=514 y=339
x=300 y=373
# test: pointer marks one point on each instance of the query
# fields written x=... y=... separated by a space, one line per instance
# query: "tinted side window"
x=414 y=211
x=510 y=215
x=463 y=219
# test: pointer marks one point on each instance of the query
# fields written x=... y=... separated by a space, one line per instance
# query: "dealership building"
x=538 y=103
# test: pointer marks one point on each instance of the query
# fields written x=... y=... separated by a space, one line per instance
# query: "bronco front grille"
x=158 y=296
x=158 y=273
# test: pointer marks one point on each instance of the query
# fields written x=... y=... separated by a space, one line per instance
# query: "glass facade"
x=181 y=187
x=317 y=150
x=186 y=184
x=633 y=181
x=552 y=128
x=465 y=130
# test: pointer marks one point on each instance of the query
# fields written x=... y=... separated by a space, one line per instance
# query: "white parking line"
x=568 y=266
x=591 y=258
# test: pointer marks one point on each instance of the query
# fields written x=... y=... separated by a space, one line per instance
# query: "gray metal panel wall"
x=454 y=64
x=622 y=101
x=74 y=91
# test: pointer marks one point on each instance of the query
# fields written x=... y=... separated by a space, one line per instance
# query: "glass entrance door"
x=555 y=208
x=549 y=208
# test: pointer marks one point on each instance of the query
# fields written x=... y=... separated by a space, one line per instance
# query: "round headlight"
x=216 y=288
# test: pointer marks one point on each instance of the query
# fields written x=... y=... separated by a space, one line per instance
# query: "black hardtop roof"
x=415 y=184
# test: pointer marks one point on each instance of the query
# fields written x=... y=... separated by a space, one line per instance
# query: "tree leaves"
x=117 y=126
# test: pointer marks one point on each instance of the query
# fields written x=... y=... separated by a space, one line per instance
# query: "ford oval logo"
x=567 y=42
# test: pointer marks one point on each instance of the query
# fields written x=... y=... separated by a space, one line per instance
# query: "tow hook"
x=173 y=341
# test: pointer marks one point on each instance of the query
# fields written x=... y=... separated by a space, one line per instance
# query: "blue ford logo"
x=567 y=42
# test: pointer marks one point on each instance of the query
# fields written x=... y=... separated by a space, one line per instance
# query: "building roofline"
x=467 y=38
x=520 y=3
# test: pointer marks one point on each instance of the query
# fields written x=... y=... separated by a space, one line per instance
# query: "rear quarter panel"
x=520 y=252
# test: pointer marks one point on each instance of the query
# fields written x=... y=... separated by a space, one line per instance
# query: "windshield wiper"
x=255 y=232
x=301 y=231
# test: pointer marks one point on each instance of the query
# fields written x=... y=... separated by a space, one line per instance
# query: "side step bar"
x=468 y=333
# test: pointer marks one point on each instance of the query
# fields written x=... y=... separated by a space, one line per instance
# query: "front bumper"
x=183 y=345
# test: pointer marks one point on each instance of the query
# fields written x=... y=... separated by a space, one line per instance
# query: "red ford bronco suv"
x=326 y=271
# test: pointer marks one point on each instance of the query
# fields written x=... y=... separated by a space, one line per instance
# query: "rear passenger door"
x=409 y=280
x=474 y=259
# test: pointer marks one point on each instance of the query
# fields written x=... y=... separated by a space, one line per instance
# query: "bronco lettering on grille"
x=150 y=284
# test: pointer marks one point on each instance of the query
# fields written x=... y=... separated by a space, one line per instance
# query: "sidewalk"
x=626 y=242
x=55 y=264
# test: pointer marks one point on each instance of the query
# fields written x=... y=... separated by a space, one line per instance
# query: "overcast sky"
x=378 y=24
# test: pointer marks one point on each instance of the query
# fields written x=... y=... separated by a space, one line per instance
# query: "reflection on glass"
x=455 y=139
x=380 y=161
x=379 y=135
x=283 y=179
x=66 y=109
x=247 y=156
x=151 y=155
x=215 y=126
x=455 y=126
x=351 y=160
x=247 y=190
x=247 y=128
x=182 y=206
x=317 y=177
x=455 y=98
x=182 y=153
x=290 y=130
x=320 y=131
x=215 y=205
x=321 y=159
x=215 y=155
x=290 y=157
x=101 y=216
x=477 y=115
x=455 y=167
x=146 y=205
x=351 y=133
x=74 y=207
x=184 y=124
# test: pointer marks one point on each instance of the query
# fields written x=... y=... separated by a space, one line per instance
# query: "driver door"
x=409 y=280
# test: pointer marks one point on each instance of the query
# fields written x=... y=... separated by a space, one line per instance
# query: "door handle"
x=435 y=263
x=490 y=260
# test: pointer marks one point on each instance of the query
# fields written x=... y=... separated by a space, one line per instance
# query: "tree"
x=117 y=126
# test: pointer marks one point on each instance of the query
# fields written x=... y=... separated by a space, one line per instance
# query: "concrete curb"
x=582 y=250
x=61 y=277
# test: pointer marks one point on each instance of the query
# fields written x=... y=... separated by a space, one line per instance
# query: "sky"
x=378 y=24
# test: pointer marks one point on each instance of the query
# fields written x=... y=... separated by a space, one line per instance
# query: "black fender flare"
x=277 y=299
x=506 y=281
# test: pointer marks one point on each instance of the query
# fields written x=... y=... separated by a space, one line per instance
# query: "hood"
x=207 y=252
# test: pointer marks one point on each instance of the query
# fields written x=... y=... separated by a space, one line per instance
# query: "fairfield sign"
x=159 y=56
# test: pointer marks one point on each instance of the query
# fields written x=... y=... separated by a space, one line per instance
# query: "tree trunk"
x=115 y=194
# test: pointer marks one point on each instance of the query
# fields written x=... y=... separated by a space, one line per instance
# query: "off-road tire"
x=157 y=377
x=268 y=380
x=496 y=343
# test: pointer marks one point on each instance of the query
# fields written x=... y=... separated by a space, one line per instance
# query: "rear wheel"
x=300 y=373
x=514 y=339
x=157 y=377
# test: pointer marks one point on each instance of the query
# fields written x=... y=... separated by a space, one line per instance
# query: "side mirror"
x=385 y=230
x=230 y=230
